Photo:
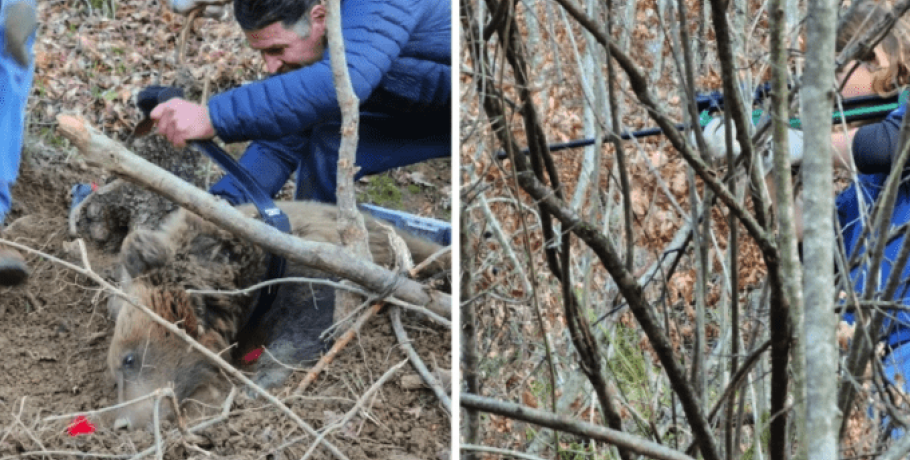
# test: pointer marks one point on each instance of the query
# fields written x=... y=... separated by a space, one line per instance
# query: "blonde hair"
x=886 y=80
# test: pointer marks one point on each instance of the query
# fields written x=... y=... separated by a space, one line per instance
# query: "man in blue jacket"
x=18 y=22
x=399 y=59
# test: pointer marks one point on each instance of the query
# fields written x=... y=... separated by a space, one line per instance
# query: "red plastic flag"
x=252 y=356
x=81 y=426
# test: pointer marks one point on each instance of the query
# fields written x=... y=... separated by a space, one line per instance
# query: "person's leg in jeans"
x=17 y=36
x=385 y=142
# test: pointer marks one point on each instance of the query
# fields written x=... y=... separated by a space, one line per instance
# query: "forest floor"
x=91 y=59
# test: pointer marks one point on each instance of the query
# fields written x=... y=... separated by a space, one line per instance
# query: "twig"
x=339 y=345
x=414 y=272
x=67 y=453
x=392 y=300
x=627 y=441
x=502 y=452
x=93 y=413
x=418 y=364
x=27 y=431
x=173 y=329
x=185 y=32
x=156 y=419
x=84 y=253
x=360 y=402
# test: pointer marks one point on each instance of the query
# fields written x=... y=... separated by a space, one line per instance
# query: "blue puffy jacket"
x=399 y=59
x=872 y=151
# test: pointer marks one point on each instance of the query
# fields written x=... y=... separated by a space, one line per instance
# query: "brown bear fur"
x=188 y=252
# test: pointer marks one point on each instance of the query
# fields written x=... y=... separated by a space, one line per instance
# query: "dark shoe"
x=13 y=270
x=21 y=22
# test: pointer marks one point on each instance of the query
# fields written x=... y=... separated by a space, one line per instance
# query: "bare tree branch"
x=626 y=441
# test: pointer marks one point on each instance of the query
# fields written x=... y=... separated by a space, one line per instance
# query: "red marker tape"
x=252 y=356
x=81 y=426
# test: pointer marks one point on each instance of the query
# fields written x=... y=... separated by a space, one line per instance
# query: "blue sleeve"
x=375 y=32
x=875 y=144
x=271 y=164
x=414 y=86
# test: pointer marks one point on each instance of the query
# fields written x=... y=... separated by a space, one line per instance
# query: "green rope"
x=876 y=110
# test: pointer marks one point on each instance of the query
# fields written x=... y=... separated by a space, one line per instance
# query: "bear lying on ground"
x=188 y=252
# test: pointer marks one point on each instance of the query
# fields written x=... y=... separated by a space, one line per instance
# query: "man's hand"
x=181 y=121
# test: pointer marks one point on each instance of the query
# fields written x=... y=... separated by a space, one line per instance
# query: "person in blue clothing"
x=18 y=22
x=399 y=59
x=869 y=151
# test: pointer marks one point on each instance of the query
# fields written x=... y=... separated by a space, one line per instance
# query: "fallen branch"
x=626 y=441
x=419 y=366
x=100 y=150
x=415 y=381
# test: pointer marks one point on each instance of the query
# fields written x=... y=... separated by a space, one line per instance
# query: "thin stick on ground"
x=225 y=411
x=414 y=272
x=156 y=419
x=360 y=402
x=419 y=366
x=173 y=329
x=185 y=33
x=25 y=428
x=324 y=282
x=66 y=453
x=339 y=345
x=93 y=413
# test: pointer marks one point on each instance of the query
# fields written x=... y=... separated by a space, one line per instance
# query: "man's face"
x=284 y=49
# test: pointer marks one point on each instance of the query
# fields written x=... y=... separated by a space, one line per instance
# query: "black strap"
x=271 y=214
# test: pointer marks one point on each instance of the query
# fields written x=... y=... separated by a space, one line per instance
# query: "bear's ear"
x=144 y=250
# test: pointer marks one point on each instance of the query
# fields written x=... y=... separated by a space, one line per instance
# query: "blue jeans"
x=15 y=83
x=385 y=142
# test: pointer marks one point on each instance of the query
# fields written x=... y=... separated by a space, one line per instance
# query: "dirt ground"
x=55 y=334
